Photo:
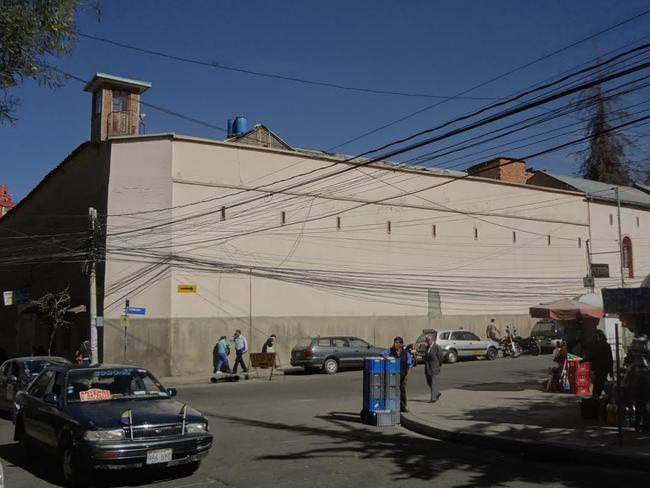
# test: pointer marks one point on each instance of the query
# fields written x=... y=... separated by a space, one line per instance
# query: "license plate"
x=159 y=456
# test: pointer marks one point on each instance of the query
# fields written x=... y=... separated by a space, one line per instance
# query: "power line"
x=496 y=78
x=221 y=66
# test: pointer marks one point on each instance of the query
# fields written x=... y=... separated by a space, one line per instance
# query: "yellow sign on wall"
x=186 y=288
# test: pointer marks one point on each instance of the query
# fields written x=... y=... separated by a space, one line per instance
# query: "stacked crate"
x=373 y=385
x=579 y=377
x=380 y=392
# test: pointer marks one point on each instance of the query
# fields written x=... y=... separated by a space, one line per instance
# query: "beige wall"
x=236 y=262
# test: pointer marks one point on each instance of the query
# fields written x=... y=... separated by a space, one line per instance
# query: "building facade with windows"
x=208 y=236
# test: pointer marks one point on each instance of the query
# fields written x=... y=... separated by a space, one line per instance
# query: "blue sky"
x=433 y=47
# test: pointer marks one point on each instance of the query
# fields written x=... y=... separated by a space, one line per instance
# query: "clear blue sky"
x=434 y=47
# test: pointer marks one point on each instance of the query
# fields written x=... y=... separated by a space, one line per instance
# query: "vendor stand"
x=632 y=305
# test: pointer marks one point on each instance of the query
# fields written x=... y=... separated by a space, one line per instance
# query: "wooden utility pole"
x=620 y=236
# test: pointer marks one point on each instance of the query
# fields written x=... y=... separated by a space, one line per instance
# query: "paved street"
x=304 y=429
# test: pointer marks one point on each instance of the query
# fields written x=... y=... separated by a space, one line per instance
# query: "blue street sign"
x=136 y=311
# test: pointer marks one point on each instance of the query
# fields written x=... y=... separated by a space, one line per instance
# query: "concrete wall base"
x=182 y=346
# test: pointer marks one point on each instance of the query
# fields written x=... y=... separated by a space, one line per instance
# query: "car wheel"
x=189 y=468
x=451 y=357
x=75 y=474
x=492 y=353
x=330 y=366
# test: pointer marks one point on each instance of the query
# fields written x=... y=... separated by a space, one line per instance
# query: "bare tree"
x=54 y=307
x=605 y=158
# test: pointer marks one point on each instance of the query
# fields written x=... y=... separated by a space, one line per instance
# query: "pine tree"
x=604 y=159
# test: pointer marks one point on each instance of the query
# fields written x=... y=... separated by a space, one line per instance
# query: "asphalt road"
x=303 y=429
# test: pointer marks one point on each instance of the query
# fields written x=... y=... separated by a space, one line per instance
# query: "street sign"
x=186 y=289
x=600 y=270
x=99 y=322
x=136 y=311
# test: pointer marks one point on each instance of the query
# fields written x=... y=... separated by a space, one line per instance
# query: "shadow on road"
x=418 y=458
x=502 y=386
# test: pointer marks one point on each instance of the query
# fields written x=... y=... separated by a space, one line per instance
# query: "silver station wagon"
x=332 y=353
x=459 y=344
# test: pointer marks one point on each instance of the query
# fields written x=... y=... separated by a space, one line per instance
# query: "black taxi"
x=109 y=417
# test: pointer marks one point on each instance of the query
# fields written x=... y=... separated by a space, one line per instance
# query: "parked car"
x=457 y=344
x=17 y=373
x=109 y=417
x=548 y=333
x=332 y=353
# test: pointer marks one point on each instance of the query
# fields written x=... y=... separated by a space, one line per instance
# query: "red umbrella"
x=566 y=309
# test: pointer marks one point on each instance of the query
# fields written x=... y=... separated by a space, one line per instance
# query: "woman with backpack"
x=220 y=355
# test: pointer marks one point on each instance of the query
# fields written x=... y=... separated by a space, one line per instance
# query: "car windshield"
x=33 y=368
x=87 y=385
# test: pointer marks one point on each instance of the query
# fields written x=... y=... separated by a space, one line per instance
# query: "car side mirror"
x=51 y=399
x=172 y=392
x=12 y=379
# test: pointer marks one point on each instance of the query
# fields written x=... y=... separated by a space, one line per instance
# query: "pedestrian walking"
x=492 y=331
x=82 y=355
x=269 y=344
x=220 y=356
x=406 y=364
x=637 y=379
x=433 y=359
x=602 y=362
x=241 y=347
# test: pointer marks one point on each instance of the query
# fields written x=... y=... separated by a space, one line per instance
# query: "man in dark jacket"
x=601 y=362
x=406 y=363
x=433 y=358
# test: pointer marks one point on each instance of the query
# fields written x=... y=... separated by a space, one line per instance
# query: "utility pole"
x=589 y=267
x=620 y=236
x=250 y=308
x=92 y=257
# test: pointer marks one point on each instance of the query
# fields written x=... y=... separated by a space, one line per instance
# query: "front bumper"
x=133 y=454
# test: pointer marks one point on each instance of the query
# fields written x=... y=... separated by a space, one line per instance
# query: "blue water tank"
x=239 y=125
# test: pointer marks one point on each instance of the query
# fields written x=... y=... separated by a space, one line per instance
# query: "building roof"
x=260 y=135
x=604 y=191
x=117 y=81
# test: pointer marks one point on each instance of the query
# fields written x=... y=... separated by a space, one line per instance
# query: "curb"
x=544 y=451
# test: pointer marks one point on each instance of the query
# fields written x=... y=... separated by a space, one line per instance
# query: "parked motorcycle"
x=529 y=345
x=510 y=347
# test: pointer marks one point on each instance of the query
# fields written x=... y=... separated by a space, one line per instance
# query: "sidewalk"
x=204 y=378
x=517 y=417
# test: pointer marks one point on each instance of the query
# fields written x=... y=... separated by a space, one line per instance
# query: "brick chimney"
x=115 y=107
x=502 y=169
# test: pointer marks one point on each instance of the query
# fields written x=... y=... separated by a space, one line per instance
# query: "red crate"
x=581 y=389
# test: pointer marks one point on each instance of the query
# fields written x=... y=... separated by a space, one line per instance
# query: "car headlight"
x=104 y=435
x=197 y=428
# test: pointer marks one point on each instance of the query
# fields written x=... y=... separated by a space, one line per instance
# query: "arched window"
x=628 y=263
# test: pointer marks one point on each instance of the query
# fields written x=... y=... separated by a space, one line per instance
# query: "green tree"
x=604 y=159
x=30 y=32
